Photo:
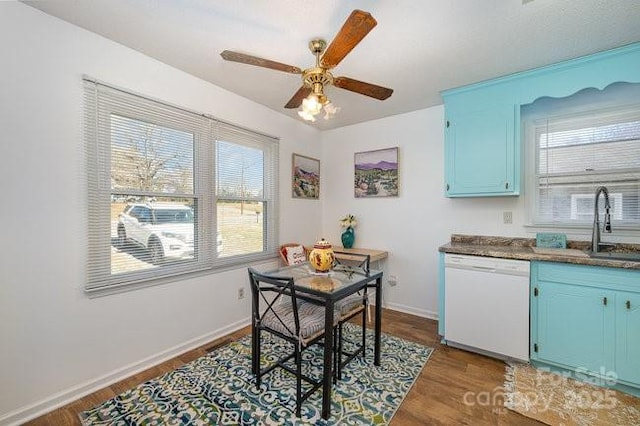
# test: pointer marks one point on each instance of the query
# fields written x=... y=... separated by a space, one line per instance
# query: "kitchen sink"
x=613 y=255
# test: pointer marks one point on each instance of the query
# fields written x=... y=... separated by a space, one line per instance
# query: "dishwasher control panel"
x=489 y=264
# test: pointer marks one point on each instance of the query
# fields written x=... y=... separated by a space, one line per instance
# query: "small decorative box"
x=551 y=240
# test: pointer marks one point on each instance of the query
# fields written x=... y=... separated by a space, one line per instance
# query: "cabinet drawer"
x=586 y=275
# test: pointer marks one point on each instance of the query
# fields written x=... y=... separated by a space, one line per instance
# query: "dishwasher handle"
x=483 y=268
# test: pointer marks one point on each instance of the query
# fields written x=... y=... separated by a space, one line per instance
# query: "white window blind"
x=246 y=192
x=574 y=153
x=162 y=201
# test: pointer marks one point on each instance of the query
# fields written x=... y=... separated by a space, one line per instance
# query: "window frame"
x=101 y=280
x=269 y=197
x=594 y=115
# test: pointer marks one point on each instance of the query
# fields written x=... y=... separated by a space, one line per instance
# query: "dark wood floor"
x=455 y=388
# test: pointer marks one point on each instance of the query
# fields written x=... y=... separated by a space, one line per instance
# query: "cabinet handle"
x=447 y=187
x=506 y=185
x=628 y=304
x=604 y=301
x=447 y=124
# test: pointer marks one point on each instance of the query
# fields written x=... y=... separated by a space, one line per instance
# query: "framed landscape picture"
x=376 y=173
x=306 y=177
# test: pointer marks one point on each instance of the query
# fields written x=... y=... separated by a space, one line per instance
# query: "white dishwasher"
x=486 y=305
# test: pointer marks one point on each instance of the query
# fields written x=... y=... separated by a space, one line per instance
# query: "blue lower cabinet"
x=441 y=294
x=586 y=320
x=575 y=326
x=628 y=336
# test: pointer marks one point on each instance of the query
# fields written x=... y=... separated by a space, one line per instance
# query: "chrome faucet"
x=595 y=238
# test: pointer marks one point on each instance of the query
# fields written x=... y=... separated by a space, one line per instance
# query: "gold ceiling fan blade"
x=363 y=88
x=228 y=55
x=296 y=100
x=355 y=28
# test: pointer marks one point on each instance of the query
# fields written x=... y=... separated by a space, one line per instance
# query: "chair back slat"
x=284 y=321
x=353 y=261
x=278 y=288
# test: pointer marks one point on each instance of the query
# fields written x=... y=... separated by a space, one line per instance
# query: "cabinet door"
x=480 y=152
x=575 y=326
x=628 y=336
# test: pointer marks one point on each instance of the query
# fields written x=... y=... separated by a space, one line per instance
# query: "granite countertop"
x=525 y=249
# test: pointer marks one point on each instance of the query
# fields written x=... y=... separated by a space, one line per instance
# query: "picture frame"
x=305 y=177
x=376 y=173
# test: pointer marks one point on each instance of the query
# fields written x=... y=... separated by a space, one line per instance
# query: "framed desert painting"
x=376 y=173
x=306 y=177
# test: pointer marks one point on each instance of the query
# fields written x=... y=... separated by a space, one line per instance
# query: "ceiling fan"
x=314 y=80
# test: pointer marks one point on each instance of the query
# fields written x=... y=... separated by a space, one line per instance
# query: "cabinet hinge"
x=628 y=304
x=535 y=291
x=535 y=347
x=604 y=301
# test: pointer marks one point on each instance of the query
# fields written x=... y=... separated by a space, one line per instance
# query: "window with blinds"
x=172 y=191
x=576 y=152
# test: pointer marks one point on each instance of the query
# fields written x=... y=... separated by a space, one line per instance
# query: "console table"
x=374 y=255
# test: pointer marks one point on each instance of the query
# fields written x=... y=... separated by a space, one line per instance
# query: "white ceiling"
x=419 y=48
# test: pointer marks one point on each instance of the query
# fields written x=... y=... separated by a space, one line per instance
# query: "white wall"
x=55 y=342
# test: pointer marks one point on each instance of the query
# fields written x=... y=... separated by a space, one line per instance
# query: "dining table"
x=327 y=289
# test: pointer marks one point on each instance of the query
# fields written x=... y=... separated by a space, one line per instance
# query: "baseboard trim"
x=412 y=310
x=32 y=411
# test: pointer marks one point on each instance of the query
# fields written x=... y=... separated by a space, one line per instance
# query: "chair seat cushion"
x=281 y=319
x=349 y=304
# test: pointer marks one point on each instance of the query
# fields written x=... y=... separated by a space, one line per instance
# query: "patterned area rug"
x=560 y=401
x=219 y=389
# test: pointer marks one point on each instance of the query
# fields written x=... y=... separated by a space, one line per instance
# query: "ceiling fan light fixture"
x=306 y=116
x=312 y=104
x=330 y=110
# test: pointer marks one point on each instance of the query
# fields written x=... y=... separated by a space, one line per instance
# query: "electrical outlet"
x=507 y=217
x=392 y=280
x=240 y=293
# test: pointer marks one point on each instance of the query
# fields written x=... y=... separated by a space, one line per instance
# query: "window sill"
x=108 y=290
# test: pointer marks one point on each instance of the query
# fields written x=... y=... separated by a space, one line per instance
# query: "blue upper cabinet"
x=480 y=147
x=594 y=71
x=482 y=121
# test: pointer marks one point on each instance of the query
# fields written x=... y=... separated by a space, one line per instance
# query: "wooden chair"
x=290 y=318
x=285 y=247
x=349 y=307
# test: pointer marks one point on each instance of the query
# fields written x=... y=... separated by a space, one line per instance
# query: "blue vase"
x=348 y=237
